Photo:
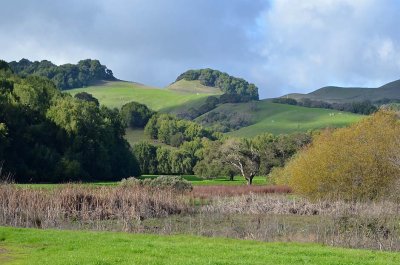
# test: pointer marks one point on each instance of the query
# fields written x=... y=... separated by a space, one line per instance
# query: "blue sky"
x=282 y=46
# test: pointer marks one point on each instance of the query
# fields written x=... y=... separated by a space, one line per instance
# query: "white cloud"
x=313 y=43
x=281 y=45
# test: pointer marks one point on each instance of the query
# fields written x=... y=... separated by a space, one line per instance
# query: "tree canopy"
x=49 y=136
x=65 y=76
x=355 y=163
x=228 y=84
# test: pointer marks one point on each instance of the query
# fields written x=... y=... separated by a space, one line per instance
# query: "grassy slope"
x=30 y=246
x=269 y=117
x=281 y=118
x=116 y=94
x=193 y=87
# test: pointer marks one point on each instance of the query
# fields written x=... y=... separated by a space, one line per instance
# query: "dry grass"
x=279 y=204
x=372 y=225
x=92 y=207
x=205 y=192
x=254 y=214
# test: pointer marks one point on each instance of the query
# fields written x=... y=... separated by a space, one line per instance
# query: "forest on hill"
x=228 y=84
x=65 y=76
x=51 y=136
x=47 y=135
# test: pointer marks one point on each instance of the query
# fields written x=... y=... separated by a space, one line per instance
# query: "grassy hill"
x=34 y=246
x=182 y=95
x=117 y=93
x=193 y=87
x=281 y=118
x=334 y=94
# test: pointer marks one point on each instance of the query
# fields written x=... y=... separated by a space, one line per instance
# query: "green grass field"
x=281 y=118
x=196 y=181
x=116 y=94
x=34 y=247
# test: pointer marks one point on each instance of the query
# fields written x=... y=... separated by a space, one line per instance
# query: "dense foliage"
x=87 y=97
x=259 y=155
x=173 y=131
x=361 y=162
x=167 y=160
x=136 y=115
x=229 y=85
x=65 y=76
x=192 y=113
x=363 y=107
x=48 y=136
x=174 y=183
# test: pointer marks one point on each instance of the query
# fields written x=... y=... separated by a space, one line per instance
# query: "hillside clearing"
x=116 y=94
x=281 y=118
x=192 y=87
x=30 y=246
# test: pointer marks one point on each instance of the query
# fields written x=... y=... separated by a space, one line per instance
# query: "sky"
x=282 y=46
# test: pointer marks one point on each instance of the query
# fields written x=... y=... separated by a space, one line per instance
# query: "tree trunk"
x=231 y=176
x=249 y=180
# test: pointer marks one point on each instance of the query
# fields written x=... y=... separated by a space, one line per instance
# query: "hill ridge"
x=337 y=94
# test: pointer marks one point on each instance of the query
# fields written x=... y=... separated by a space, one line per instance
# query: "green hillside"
x=193 y=87
x=117 y=93
x=263 y=115
x=335 y=94
x=281 y=118
x=34 y=246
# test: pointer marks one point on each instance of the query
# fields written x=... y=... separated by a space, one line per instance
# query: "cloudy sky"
x=280 y=45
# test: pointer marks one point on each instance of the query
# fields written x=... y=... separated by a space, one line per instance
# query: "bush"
x=135 y=115
x=361 y=162
x=175 y=183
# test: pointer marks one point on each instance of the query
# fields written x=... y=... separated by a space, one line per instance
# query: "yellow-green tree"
x=355 y=163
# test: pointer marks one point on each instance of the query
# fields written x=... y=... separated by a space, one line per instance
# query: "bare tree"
x=242 y=155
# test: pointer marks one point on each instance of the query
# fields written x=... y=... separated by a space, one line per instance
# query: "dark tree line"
x=229 y=85
x=363 y=107
x=49 y=136
x=65 y=76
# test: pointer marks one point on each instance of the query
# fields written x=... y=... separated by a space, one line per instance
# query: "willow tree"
x=355 y=163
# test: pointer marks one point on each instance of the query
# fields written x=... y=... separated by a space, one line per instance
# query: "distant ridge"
x=333 y=94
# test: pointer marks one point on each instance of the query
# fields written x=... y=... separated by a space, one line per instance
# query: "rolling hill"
x=114 y=94
x=281 y=118
x=333 y=94
x=263 y=116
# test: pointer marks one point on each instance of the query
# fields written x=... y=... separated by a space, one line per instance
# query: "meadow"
x=117 y=93
x=194 y=180
x=282 y=118
x=31 y=246
x=179 y=97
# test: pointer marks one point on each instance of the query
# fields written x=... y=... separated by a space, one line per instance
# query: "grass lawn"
x=30 y=246
x=196 y=181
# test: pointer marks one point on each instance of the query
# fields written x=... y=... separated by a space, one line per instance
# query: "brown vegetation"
x=91 y=207
x=229 y=191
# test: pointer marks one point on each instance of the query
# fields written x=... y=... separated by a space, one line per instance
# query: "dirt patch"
x=4 y=256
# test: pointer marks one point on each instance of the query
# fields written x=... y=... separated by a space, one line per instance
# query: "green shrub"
x=176 y=183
